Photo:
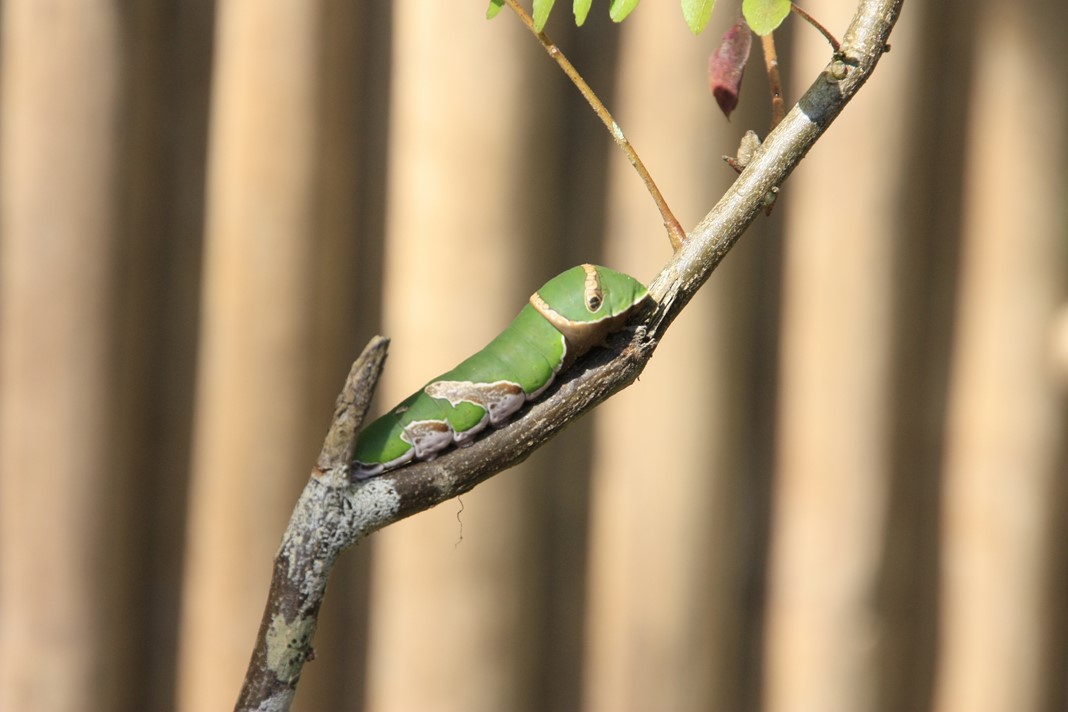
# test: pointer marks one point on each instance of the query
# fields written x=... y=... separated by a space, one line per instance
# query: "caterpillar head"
x=587 y=303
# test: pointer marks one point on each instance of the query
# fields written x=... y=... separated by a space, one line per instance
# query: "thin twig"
x=771 y=61
x=675 y=232
x=812 y=21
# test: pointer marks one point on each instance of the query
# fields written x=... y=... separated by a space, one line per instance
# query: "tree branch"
x=333 y=513
x=321 y=527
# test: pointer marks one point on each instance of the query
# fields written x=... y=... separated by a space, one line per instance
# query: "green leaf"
x=696 y=13
x=541 y=13
x=582 y=8
x=494 y=8
x=764 y=16
x=621 y=8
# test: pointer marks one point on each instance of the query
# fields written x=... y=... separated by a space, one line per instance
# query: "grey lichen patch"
x=280 y=702
x=327 y=520
x=287 y=646
x=373 y=504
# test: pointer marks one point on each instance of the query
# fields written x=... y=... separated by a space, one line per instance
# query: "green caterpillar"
x=569 y=315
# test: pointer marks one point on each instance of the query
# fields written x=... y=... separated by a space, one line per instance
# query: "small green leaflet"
x=581 y=8
x=618 y=10
x=696 y=13
x=542 y=8
x=541 y=13
x=621 y=8
x=764 y=16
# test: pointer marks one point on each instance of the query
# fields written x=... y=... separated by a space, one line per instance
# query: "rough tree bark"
x=332 y=513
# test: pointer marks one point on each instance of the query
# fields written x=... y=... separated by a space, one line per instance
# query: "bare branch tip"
x=351 y=406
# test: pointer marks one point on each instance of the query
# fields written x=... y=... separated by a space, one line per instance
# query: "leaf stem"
x=771 y=61
x=676 y=234
x=812 y=21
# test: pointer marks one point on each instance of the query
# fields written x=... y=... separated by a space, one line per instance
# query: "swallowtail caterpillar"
x=572 y=313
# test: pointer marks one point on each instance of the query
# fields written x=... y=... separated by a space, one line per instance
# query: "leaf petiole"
x=676 y=234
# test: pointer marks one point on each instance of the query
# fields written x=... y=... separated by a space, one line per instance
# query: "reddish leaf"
x=727 y=65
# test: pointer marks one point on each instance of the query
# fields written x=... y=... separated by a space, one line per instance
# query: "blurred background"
x=840 y=485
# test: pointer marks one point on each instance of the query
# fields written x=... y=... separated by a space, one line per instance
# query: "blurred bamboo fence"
x=841 y=485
